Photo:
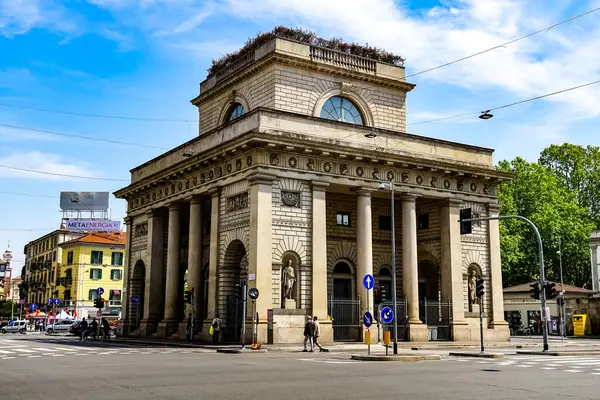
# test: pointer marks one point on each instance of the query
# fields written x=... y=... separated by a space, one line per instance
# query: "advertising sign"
x=84 y=201
x=92 y=225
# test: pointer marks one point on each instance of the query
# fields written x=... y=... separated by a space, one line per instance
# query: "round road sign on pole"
x=367 y=319
x=135 y=299
x=32 y=307
x=50 y=300
x=387 y=315
x=368 y=281
x=56 y=302
x=100 y=291
x=253 y=293
x=21 y=302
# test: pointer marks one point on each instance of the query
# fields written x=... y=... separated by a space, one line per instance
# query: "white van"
x=15 y=326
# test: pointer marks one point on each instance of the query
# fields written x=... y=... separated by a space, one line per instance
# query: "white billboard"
x=92 y=225
x=84 y=201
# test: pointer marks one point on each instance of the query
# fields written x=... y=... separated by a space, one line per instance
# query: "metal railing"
x=342 y=59
x=346 y=319
x=235 y=66
x=115 y=303
x=437 y=315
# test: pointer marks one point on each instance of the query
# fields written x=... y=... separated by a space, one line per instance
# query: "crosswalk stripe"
x=572 y=370
x=548 y=368
x=6 y=352
x=25 y=351
x=44 y=349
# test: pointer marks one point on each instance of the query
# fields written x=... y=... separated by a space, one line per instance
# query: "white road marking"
x=33 y=356
x=482 y=362
x=58 y=355
x=6 y=352
x=572 y=370
x=25 y=351
x=524 y=366
x=7 y=358
x=44 y=349
x=548 y=368
x=595 y=373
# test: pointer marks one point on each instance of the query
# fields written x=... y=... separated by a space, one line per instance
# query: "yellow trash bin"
x=581 y=325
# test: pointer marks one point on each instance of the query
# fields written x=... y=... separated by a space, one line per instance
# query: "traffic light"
x=99 y=303
x=479 y=288
x=188 y=295
x=466 y=227
x=560 y=301
x=383 y=293
x=550 y=290
x=376 y=296
x=534 y=292
x=238 y=291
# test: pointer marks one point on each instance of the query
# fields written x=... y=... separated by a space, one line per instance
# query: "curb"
x=397 y=358
x=240 y=351
x=477 y=355
x=560 y=353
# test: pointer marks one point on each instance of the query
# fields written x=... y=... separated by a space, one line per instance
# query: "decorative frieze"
x=290 y=199
x=289 y=222
x=237 y=202
x=140 y=230
x=234 y=225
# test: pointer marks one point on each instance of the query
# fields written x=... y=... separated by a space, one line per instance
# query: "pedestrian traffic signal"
x=188 y=295
x=479 y=288
x=376 y=296
x=534 y=292
x=550 y=289
x=383 y=293
x=466 y=227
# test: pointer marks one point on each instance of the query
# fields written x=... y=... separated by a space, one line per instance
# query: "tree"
x=539 y=194
x=579 y=168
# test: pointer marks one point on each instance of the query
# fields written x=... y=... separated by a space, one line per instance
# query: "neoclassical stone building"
x=282 y=182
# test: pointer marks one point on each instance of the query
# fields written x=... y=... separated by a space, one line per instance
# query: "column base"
x=147 y=328
x=461 y=331
x=418 y=332
x=167 y=328
x=499 y=331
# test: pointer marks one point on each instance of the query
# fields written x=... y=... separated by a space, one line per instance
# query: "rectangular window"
x=423 y=221
x=92 y=294
x=95 y=273
x=385 y=223
x=343 y=218
x=70 y=258
x=117 y=258
x=54 y=255
x=115 y=295
x=116 y=274
x=96 y=257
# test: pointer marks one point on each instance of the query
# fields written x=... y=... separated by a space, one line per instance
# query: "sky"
x=146 y=58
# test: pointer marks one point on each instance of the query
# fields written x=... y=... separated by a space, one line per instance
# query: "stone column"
x=410 y=269
x=319 y=259
x=153 y=292
x=595 y=277
x=451 y=268
x=195 y=256
x=127 y=268
x=260 y=253
x=497 y=322
x=213 y=260
x=169 y=323
x=364 y=248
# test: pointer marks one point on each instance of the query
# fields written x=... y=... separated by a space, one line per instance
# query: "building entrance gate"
x=346 y=319
x=437 y=316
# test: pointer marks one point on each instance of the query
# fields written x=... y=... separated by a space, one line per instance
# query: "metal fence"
x=233 y=319
x=346 y=319
x=437 y=316
x=401 y=317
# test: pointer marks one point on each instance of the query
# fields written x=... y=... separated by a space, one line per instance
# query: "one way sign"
x=368 y=281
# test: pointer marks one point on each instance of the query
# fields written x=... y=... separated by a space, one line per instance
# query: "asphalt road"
x=41 y=368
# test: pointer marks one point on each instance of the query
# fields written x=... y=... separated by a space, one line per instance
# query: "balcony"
x=67 y=281
x=115 y=303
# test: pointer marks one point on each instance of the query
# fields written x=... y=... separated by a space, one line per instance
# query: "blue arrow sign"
x=367 y=319
x=387 y=315
x=135 y=299
x=100 y=291
x=49 y=300
x=56 y=302
x=368 y=281
x=32 y=307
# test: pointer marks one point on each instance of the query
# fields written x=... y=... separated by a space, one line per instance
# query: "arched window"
x=235 y=111
x=341 y=109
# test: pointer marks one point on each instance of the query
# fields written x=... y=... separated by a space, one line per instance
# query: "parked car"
x=15 y=326
x=61 y=326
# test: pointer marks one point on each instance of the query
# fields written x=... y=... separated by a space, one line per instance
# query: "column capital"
x=454 y=203
x=174 y=207
x=363 y=191
x=493 y=207
x=196 y=199
x=153 y=212
x=409 y=197
x=319 y=186
x=128 y=220
x=261 y=179
x=214 y=191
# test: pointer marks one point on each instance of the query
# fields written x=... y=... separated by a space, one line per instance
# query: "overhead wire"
x=29 y=194
x=63 y=175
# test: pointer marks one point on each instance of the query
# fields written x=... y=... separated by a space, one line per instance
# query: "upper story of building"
x=44 y=251
x=294 y=71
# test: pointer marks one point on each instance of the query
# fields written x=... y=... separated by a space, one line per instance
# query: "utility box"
x=581 y=325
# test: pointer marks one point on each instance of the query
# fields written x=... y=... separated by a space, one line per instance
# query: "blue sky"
x=145 y=58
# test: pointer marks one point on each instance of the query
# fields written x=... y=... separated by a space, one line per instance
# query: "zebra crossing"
x=571 y=364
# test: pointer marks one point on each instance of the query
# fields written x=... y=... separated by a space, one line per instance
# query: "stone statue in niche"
x=288 y=280
x=472 y=283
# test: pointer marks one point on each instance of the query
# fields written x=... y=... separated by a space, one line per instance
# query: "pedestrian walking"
x=105 y=329
x=93 y=329
x=317 y=334
x=216 y=329
x=309 y=333
x=83 y=329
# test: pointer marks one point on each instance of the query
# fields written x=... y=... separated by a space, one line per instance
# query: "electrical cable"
x=29 y=195
x=63 y=175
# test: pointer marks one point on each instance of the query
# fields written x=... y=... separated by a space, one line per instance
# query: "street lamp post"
x=562 y=292
x=393 y=226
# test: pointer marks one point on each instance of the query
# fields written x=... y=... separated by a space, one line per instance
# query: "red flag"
x=37 y=312
x=75 y=312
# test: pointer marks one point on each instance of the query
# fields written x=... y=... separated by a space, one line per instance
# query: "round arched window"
x=235 y=111
x=341 y=109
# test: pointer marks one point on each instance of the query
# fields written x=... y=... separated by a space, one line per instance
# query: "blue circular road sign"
x=49 y=300
x=56 y=302
x=32 y=307
x=135 y=299
x=368 y=281
x=100 y=291
x=367 y=319
x=387 y=315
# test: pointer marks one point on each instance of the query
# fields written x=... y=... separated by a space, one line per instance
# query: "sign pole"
x=254 y=321
x=192 y=321
x=368 y=330
x=481 y=323
x=244 y=313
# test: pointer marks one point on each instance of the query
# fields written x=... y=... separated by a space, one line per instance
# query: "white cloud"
x=38 y=161
x=20 y=16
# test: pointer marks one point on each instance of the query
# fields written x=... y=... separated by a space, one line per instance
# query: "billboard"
x=84 y=201
x=92 y=225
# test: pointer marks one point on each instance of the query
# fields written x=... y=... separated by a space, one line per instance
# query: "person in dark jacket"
x=93 y=328
x=105 y=329
x=309 y=333
x=83 y=330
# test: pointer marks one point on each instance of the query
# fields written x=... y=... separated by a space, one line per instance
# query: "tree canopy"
x=552 y=195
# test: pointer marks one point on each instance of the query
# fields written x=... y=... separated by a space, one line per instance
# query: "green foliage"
x=307 y=37
x=544 y=197
x=6 y=308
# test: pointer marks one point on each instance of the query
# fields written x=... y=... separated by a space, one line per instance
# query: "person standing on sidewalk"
x=309 y=333
x=216 y=326
x=317 y=333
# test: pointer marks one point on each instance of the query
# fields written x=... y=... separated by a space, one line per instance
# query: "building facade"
x=280 y=190
x=90 y=262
